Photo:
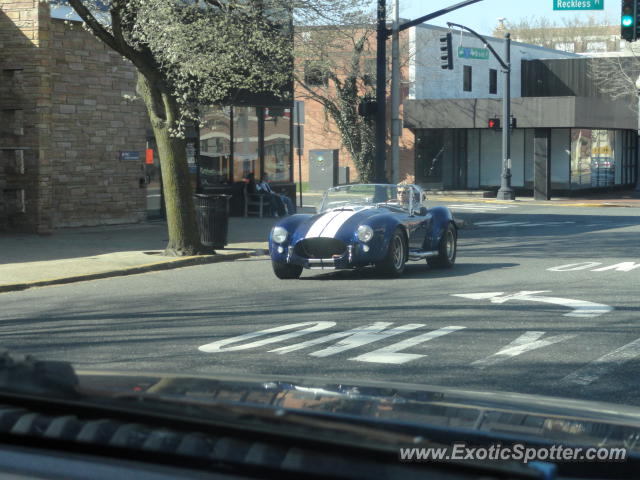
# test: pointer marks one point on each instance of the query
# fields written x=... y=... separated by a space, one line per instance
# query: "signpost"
x=474 y=53
x=578 y=4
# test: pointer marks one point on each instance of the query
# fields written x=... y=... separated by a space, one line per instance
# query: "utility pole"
x=383 y=34
x=381 y=87
x=395 y=94
x=636 y=192
x=505 y=192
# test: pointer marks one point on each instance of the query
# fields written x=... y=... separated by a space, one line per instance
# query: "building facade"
x=585 y=139
x=76 y=147
x=446 y=141
x=71 y=145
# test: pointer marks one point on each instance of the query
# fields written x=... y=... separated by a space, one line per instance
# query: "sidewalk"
x=77 y=254
x=615 y=199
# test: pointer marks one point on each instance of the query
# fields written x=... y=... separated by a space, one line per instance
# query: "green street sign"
x=472 y=52
x=578 y=4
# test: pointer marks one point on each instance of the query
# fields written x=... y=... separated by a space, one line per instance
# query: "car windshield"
x=398 y=196
x=234 y=188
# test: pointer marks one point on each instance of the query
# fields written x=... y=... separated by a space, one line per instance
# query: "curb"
x=150 y=267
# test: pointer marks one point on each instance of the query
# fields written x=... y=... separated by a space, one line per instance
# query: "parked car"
x=365 y=224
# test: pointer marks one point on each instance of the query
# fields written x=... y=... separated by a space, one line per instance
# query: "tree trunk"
x=184 y=238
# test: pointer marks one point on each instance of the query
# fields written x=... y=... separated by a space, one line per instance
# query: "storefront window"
x=215 y=146
x=277 y=123
x=593 y=160
x=245 y=143
x=430 y=152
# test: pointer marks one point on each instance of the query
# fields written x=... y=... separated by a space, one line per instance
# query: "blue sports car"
x=361 y=225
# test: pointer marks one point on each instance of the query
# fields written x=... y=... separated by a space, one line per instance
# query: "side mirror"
x=422 y=211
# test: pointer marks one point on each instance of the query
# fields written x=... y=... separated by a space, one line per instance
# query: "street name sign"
x=472 y=52
x=578 y=4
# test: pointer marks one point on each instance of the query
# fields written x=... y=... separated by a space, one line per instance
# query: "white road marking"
x=363 y=338
x=495 y=224
x=356 y=336
x=581 y=308
x=480 y=207
x=619 y=267
x=217 y=347
x=524 y=343
x=390 y=354
x=572 y=267
x=594 y=370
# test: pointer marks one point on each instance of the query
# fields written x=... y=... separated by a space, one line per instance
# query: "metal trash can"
x=212 y=215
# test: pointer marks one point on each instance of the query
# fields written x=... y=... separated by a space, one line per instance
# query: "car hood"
x=558 y=420
x=339 y=223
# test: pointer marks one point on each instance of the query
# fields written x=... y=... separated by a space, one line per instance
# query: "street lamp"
x=636 y=192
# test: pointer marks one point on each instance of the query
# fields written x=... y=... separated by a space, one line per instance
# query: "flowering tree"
x=187 y=54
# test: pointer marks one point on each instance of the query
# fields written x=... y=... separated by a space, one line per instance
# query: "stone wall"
x=92 y=123
x=25 y=111
x=64 y=122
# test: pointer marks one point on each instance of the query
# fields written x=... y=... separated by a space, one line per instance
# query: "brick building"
x=71 y=144
x=432 y=138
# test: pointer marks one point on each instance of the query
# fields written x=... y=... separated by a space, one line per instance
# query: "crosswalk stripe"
x=519 y=224
x=479 y=207
x=594 y=370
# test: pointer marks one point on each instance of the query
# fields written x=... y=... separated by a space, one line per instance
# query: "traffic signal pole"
x=381 y=87
x=505 y=192
x=383 y=34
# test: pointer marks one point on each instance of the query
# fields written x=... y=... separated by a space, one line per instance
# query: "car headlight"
x=365 y=233
x=279 y=234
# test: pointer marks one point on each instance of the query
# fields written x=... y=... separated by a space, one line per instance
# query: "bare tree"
x=616 y=77
x=336 y=67
x=572 y=34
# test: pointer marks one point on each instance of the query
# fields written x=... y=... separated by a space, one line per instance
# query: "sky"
x=483 y=16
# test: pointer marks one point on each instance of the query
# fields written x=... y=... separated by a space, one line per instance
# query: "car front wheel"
x=394 y=262
x=286 y=271
x=447 y=249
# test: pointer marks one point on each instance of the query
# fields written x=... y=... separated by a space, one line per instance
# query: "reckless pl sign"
x=578 y=4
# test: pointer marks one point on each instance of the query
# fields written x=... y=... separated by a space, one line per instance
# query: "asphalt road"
x=541 y=300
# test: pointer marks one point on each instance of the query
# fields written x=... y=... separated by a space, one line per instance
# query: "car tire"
x=447 y=249
x=393 y=263
x=286 y=271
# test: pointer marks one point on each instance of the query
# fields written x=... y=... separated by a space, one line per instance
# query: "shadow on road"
x=414 y=271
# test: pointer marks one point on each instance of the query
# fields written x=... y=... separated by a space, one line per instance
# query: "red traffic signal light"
x=494 y=123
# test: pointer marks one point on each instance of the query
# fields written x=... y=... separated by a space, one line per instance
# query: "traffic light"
x=446 y=53
x=629 y=20
x=494 y=123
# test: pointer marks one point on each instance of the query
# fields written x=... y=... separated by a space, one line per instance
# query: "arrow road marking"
x=594 y=370
x=580 y=308
x=524 y=343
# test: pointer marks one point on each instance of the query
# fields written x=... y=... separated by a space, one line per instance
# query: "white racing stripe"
x=316 y=229
x=336 y=223
x=329 y=224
